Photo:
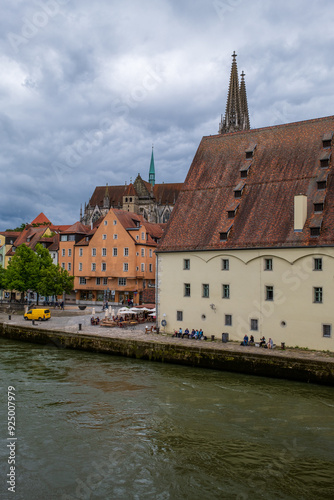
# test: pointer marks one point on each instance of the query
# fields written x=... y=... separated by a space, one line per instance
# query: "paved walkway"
x=67 y=322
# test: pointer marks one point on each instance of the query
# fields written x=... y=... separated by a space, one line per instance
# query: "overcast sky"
x=88 y=86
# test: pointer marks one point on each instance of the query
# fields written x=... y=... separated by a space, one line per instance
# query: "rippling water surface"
x=99 y=427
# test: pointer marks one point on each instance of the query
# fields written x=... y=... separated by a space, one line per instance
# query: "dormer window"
x=250 y=152
x=223 y=235
x=321 y=185
x=324 y=159
x=245 y=170
x=315 y=231
x=318 y=207
x=327 y=140
x=239 y=189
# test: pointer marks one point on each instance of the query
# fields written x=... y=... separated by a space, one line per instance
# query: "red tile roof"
x=41 y=219
x=286 y=162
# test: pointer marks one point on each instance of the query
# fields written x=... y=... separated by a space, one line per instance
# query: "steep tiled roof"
x=167 y=193
x=41 y=219
x=77 y=228
x=285 y=163
x=130 y=220
x=115 y=194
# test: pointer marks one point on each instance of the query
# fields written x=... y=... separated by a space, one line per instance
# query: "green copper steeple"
x=151 y=177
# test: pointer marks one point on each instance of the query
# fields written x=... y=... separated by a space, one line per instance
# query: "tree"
x=22 y=271
x=35 y=271
x=2 y=277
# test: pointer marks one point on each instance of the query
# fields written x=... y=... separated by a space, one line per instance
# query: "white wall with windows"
x=285 y=294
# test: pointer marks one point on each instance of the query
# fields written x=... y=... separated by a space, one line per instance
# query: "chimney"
x=300 y=212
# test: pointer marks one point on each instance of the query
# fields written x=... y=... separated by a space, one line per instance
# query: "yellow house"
x=249 y=248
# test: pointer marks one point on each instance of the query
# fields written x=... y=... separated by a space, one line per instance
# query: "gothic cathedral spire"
x=151 y=177
x=236 y=115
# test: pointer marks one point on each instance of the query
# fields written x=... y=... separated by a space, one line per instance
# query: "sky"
x=87 y=88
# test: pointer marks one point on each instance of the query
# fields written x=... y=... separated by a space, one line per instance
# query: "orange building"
x=114 y=260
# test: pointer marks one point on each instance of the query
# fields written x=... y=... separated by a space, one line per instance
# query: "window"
x=80 y=266
x=317 y=291
x=324 y=162
x=80 y=252
x=143 y=252
x=98 y=281
x=104 y=236
x=70 y=252
x=205 y=291
x=225 y=264
x=115 y=236
x=105 y=281
x=93 y=266
x=122 y=281
x=223 y=236
x=231 y=214
x=317 y=264
x=186 y=264
x=315 y=231
x=105 y=222
x=115 y=222
x=228 y=319
x=254 y=324
x=125 y=267
x=269 y=293
x=93 y=252
x=237 y=193
x=103 y=266
x=322 y=185
x=268 y=264
x=137 y=237
x=179 y=315
x=326 y=330
x=151 y=253
x=114 y=252
x=187 y=289
x=69 y=266
x=318 y=207
x=143 y=236
x=226 y=291
x=150 y=268
x=82 y=281
x=142 y=267
x=63 y=252
x=62 y=265
x=126 y=252
x=104 y=252
x=63 y=237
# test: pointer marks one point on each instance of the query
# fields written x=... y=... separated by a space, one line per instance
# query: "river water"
x=93 y=426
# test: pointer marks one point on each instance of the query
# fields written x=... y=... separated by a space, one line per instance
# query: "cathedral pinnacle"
x=151 y=176
x=236 y=115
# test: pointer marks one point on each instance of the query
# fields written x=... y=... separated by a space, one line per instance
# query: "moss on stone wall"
x=304 y=370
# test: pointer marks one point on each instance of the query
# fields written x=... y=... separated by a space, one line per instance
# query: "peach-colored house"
x=113 y=261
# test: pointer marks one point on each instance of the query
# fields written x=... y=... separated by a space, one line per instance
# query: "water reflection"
x=95 y=426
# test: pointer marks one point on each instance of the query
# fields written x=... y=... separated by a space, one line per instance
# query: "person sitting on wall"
x=245 y=341
x=251 y=340
x=175 y=334
x=262 y=341
x=270 y=344
x=186 y=333
x=180 y=333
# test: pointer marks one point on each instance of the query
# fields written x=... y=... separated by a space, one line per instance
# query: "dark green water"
x=99 y=427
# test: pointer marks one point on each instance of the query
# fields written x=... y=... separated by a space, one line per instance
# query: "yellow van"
x=39 y=314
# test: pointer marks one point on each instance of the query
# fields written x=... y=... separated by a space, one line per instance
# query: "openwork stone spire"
x=236 y=115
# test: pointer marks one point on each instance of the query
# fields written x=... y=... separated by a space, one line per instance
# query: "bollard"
x=283 y=346
x=212 y=338
x=33 y=322
x=80 y=325
x=9 y=316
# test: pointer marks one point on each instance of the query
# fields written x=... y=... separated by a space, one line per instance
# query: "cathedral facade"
x=154 y=202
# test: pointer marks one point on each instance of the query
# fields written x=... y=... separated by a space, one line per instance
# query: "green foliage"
x=2 y=277
x=35 y=271
x=21 y=228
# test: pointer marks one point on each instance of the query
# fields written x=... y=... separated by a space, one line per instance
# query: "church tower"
x=236 y=115
x=151 y=176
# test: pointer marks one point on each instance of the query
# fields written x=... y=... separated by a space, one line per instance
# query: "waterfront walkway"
x=69 y=320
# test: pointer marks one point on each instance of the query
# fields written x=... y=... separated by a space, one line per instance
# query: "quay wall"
x=247 y=362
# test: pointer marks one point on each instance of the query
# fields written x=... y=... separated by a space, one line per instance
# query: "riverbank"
x=69 y=331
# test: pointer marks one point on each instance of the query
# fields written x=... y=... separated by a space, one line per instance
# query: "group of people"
x=194 y=334
x=94 y=321
x=60 y=305
x=263 y=343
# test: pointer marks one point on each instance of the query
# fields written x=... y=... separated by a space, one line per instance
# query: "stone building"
x=154 y=202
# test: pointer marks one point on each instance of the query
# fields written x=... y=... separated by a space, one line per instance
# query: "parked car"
x=39 y=314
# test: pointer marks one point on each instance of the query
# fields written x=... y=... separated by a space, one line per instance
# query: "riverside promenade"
x=71 y=329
